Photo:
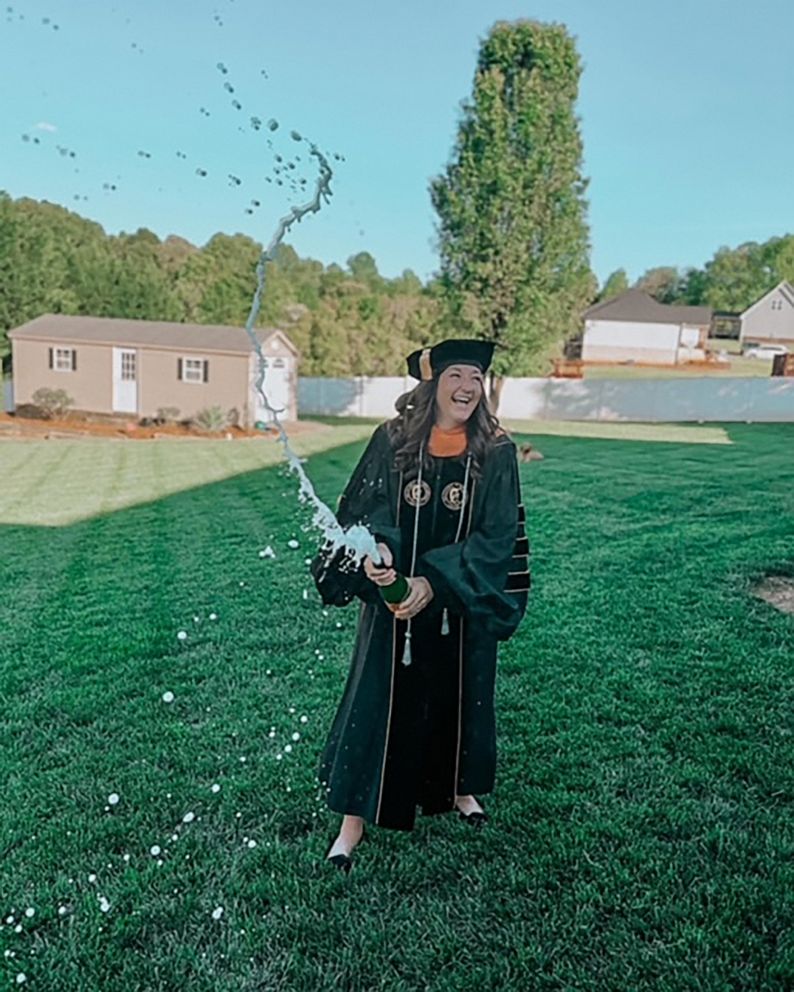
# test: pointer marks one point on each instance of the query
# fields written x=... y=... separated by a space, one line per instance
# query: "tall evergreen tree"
x=513 y=236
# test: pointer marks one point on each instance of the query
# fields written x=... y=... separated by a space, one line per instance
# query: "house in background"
x=136 y=367
x=635 y=327
x=770 y=320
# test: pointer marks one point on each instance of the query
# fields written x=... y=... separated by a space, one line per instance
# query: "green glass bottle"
x=396 y=591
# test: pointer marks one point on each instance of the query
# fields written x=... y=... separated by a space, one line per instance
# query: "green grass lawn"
x=641 y=833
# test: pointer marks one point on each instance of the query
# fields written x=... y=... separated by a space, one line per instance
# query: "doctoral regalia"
x=423 y=732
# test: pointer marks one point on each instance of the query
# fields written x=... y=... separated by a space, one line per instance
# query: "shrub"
x=212 y=418
x=52 y=402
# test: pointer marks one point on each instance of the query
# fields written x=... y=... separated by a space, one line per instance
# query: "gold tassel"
x=444 y=622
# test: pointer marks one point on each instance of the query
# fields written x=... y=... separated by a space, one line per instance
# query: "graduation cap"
x=426 y=363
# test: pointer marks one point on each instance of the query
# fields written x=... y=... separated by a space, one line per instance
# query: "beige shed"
x=137 y=367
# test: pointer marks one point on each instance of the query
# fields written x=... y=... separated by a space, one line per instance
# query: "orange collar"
x=447 y=443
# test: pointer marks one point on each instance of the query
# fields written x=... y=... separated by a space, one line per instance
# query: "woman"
x=438 y=487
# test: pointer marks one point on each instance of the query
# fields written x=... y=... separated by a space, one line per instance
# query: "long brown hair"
x=416 y=414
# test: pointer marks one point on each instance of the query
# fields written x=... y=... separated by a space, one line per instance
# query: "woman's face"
x=458 y=393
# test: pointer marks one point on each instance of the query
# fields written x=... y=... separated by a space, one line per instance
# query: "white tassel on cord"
x=406 y=659
x=445 y=622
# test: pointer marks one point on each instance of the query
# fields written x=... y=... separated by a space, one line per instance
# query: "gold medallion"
x=416 y=495
x=452 y=496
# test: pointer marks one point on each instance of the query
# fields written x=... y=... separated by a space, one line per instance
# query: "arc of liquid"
x=357 y=539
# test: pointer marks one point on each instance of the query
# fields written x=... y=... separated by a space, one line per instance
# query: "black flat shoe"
x=475 y=819
x=342 y=861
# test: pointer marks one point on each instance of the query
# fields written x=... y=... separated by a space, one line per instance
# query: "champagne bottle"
x=396 y=591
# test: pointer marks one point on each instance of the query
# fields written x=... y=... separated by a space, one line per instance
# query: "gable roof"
x=637 y=305
x=785 y=289
x=144 y=333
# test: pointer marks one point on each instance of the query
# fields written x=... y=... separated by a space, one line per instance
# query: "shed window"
x=63 y=359
x=193 y=370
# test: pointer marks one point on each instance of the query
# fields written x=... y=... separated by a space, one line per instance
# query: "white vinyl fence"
x=705 y=398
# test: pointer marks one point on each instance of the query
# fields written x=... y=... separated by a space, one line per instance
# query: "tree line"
x=513 y=244
x=343 y=320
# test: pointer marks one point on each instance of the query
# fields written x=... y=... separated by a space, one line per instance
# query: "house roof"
x=785 y=289
x=637 y=305
x=58 y=327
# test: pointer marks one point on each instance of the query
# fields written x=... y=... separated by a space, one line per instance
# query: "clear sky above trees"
x=682 y=118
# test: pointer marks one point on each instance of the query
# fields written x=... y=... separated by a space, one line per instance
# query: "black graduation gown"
x=420 y=734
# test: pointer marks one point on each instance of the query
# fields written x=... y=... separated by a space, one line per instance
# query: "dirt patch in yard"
x=778 y=590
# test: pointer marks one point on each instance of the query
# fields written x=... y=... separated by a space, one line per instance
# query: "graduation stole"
x=406 y=658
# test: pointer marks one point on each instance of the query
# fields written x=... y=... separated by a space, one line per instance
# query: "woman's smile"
x=459 y=391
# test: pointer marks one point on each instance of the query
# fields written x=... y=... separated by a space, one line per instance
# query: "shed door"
x=125 y=380
x=275 y=386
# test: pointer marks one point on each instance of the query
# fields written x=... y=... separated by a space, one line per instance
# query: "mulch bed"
x=83 y=427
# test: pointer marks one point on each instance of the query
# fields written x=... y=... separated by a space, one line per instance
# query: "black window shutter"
x=51 y=362
x=74 y=359
x=206 y=370
x=179 y=369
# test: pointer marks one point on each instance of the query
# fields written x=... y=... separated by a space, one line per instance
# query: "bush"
x=212 y=418
x=52 y=402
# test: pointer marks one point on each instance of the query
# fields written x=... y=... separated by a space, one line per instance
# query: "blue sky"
x=683 y=110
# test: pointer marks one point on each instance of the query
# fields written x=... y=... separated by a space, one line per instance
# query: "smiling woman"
x=438 y=487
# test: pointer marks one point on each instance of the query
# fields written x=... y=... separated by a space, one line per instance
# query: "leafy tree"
x=513 y=237
x=215 y=285
x=616 y=283
x=737 y=277
x=662 y=283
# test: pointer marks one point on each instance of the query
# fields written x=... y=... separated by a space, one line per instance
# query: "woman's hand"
x=420 y=592
x=381 y=575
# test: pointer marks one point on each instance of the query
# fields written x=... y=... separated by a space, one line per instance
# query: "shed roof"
x=637 y=305
x=64 y=328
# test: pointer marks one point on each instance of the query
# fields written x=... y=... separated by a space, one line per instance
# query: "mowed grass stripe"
x=641 y=831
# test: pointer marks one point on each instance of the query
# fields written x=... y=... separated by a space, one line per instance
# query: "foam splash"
x=357 y=541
